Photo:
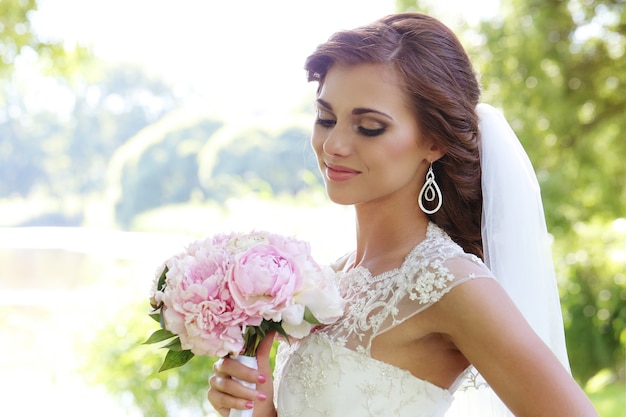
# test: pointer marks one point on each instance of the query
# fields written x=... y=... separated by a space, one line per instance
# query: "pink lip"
x=340 y=173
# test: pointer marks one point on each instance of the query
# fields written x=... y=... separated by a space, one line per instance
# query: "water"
x=55 y=286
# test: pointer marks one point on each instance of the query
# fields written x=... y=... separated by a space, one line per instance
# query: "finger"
x=223 y=403
x=224 y=393
x=214 y=396
x=217 y=366
x=263 y=357
x=223 y=379
x=235 y=369
x=265 y=346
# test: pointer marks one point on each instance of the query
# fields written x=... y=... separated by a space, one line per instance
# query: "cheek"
x=401 y=150
x=399 y=158
x=407 y=148
x=317 y=142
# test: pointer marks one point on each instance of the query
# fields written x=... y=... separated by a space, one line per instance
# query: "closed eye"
x=327 y=123
x=371 y=132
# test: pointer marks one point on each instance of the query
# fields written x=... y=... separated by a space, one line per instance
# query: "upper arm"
x=484 y=324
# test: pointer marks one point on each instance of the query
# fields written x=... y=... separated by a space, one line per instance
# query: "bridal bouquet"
x=223 y=294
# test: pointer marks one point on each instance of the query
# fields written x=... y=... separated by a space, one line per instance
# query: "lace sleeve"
x=378 y=303
x=428 y=282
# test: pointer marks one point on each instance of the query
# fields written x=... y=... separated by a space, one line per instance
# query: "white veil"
x=517 y=250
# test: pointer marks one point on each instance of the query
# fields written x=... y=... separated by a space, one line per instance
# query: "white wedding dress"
x=331 y=373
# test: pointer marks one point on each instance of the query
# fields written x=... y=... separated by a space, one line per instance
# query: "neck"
x=385 y=235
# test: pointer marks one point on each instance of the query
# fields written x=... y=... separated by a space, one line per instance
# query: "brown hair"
x=442 y=88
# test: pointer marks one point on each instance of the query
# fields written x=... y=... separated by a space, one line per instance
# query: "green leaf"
x=174 y=345
x=161 y=282
x=156 y=317
x=279 y=329
x=310 y=318
x=159 y=336
x=174 y=359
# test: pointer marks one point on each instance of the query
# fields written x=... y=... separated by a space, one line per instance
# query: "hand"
x=226 y=393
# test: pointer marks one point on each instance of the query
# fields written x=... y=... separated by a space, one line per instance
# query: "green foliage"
x=592 y=264
x=195 y=158
x=609 y=402
x=557 y=68
x=158 y=166
x=118 y=359
x=175 y=356
x=17 y=37
x=411 y=6
x=112 y=120
x=159 y=336
x=60 y=147
x=269 y=162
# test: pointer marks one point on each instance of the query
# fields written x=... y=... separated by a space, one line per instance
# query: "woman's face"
x=368 y=144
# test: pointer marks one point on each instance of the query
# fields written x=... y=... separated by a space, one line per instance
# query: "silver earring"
x=429 y=192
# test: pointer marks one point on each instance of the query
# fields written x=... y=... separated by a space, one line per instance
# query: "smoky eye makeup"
x=371 y=127
x=371 y=132
x=325 y=122
x=324 y=119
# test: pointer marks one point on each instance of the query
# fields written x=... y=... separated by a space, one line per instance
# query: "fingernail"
x=250 y=405
x=262 y=379
x=262 y=396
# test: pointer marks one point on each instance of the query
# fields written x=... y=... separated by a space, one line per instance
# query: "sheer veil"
x=517 y=250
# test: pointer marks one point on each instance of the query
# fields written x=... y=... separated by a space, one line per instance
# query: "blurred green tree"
x=270 y=162
x=557 y=68
x=62 y=115
x=111 y=107
x=592 y=265
x=18 y=38
x=117 y=359
x=193 y=158
x=59 y=142
x=558 y=71
x=21 y=152
x=158 y=166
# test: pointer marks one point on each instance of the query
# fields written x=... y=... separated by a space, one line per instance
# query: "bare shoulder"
x=484 y=324
x=475 y=300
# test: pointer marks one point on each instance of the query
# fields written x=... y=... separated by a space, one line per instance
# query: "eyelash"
x=328 y=123
x=371 y=132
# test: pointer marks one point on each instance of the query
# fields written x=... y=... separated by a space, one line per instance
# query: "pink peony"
x=263 y=281
x=197 y=305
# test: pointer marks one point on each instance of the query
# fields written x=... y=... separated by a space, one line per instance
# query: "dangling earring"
x=429 y=191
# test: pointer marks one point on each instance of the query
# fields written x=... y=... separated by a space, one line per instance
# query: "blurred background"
x=130 y=127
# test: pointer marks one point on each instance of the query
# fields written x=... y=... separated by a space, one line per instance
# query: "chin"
x=340 y=198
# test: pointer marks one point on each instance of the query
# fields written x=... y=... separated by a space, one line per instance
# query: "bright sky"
x=246 y=55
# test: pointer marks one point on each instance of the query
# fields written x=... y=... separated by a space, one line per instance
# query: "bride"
x=452 y=306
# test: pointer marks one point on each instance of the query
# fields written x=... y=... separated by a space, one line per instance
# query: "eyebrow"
x=357 y=111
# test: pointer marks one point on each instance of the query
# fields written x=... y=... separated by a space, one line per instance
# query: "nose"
x=337 y=142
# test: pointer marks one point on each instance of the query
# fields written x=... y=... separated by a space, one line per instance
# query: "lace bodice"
x=331 y=372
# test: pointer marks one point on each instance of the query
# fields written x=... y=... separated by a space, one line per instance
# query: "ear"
x=435 y=152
